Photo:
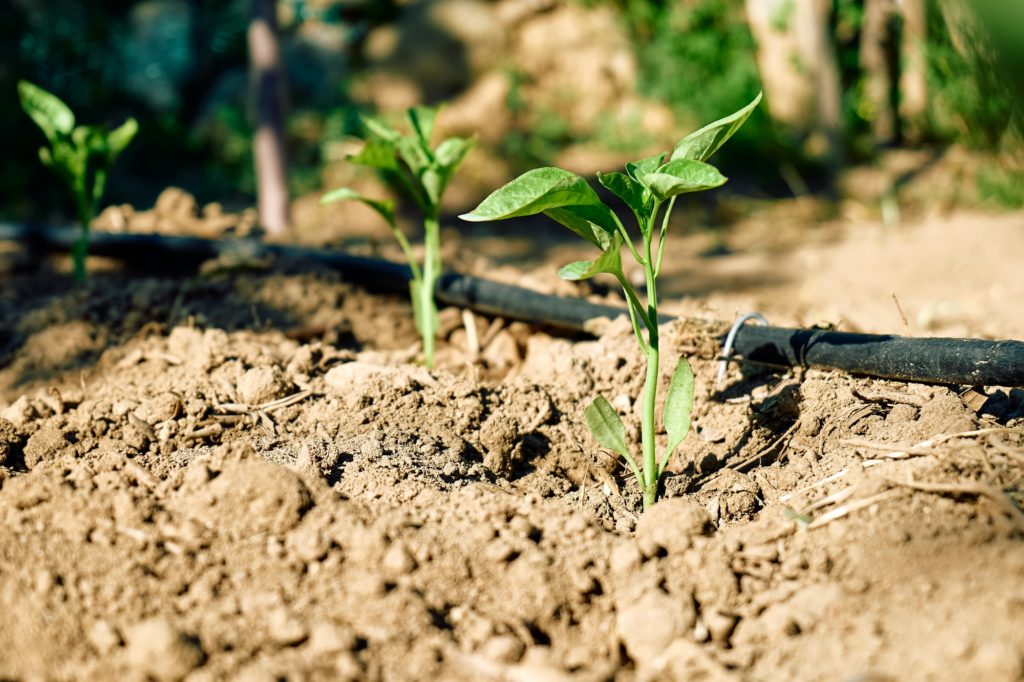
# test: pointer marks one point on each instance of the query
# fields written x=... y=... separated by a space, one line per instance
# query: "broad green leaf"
x=535 y=191
x=385 y=207
x=47 y=110
x=379 y=128
x=637 y=169
x=121 y=137
x=422 y=121
x=606 y=426
x=595 y=223
x=627 y=189
x=678 y=406
x=376 y=153
x=681 y=176
x=700 y=145
x=610 y=262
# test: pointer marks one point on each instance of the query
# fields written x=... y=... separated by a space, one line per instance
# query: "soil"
x=244 y=475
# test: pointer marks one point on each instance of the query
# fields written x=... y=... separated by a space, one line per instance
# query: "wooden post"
x=268 y=143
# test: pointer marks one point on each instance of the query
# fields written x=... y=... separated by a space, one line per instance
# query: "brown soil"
x=242 y=476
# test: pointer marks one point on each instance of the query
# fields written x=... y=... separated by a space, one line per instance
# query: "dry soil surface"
x=243 y=475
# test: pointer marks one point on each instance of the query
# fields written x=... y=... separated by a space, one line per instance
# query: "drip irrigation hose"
x=973 y=362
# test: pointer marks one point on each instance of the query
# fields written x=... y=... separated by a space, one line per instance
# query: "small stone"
x=159 y=408
x=284 y=628
x=260 y=385
x=103 y=636
x=329 y=638
x=625 y=558
x=503 y=648
x=20 y=412
x=720 y=626
x=10 y=441
x=648 y=625
x=670 y=525
x=157 y=648
x=499 y=435
x=499 y=550
x=397 y=560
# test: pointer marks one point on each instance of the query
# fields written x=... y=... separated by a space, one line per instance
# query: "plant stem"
x=80 y=249
x=431 y=273
x=650 y=483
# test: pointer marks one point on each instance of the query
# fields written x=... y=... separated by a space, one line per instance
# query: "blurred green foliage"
x=698 y=56
x=180 y=67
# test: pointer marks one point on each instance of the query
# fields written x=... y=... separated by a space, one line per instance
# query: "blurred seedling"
x=408 y=164
x=81 y=155
x=647 y=186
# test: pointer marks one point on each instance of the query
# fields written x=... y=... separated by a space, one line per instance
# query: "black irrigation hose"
x=974 y=362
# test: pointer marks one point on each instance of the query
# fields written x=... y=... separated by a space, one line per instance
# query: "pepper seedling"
x=409 y=165
x=647 y=185
x=81 y=155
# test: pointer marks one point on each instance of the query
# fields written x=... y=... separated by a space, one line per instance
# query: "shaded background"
x=587 y=84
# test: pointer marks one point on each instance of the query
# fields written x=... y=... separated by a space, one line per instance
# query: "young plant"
x=645 y=188
x=409 y=165
x=81 y=155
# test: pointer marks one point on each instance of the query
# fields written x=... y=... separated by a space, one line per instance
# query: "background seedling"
x=81 y=155
x=647 y=185
x=411 y=167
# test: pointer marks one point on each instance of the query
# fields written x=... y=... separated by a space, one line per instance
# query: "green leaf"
x=535 y=191
x=606 y=426
x=610 y=262
x=376 y=153
x=595 y=223
x=52 y=116
x=422 y=121
x=637 y=169
x=700 y=145
x=415 y=153
x=678 y=406
x=385 y=207
x=121 y=137
x=450 y=153
x=681 y=176
x=627 y=189
x=378 y=128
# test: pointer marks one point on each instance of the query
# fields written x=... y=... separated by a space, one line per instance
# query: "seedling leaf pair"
x=646 y=185
x=81 y=155
x=608 y=430
x=410 y=166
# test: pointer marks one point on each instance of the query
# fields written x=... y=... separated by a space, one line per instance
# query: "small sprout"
x=408 y=164
x=81 y=155
x=646 y=186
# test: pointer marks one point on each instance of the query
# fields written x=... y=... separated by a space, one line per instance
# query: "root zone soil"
x=243 y=476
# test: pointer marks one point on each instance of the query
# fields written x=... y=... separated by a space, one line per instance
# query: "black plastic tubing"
x=974 y=362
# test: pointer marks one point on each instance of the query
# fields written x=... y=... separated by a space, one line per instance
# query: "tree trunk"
x=799 y=71
x=268 y=144
x=913 y=78
x=876 y=42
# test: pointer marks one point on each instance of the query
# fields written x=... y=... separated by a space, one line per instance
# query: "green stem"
x=431 y=273
x=80 y=248
x=647 y=432
x=626 y=238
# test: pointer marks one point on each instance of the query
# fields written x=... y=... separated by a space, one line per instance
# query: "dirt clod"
x=158 y=649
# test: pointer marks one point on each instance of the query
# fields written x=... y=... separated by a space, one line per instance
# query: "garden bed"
x=244 y=474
